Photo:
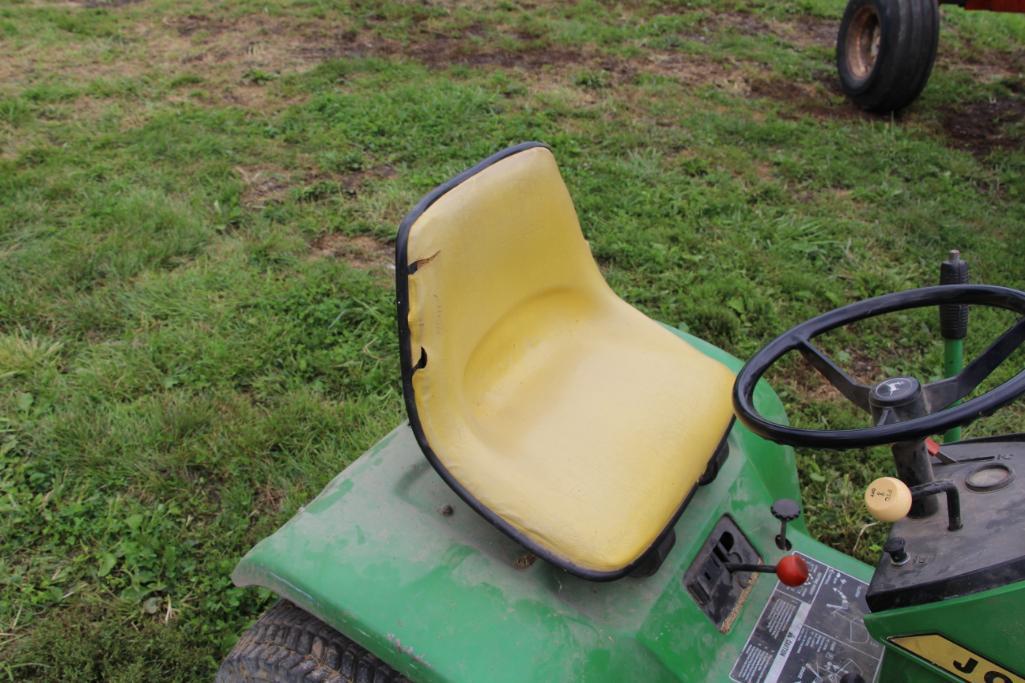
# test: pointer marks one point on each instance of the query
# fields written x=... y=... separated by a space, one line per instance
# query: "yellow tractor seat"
x=565 y=416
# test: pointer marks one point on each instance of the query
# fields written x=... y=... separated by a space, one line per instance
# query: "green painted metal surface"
x=990 y=624
x=391 y=557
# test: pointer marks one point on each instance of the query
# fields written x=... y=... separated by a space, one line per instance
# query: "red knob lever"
x=792 y=570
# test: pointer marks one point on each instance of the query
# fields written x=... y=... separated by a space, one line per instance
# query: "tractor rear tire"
x=885 y=51
x=289 y=645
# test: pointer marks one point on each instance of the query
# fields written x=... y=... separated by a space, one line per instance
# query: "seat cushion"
x=568 y=418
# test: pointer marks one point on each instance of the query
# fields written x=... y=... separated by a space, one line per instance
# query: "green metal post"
x=953 y=361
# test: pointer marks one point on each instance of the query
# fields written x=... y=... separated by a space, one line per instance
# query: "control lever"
x=948 y=487
x=785 y=510
x=889 y=499
x=791 y=570
x=894 y=547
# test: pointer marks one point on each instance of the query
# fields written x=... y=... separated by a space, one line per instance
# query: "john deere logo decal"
x=892 y=386
x=955 y=659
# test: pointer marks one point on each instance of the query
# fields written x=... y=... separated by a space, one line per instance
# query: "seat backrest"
x=500 y=235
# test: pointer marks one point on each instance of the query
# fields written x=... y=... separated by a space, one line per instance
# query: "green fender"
x=391 y=557
x=989 y=625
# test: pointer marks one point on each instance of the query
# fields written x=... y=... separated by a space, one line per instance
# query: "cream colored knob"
x=888 y=499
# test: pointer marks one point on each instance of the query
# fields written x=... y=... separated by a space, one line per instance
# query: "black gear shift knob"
x=785 y=510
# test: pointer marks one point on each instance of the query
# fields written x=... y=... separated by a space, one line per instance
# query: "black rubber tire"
x=907 y=34
x=290 y=645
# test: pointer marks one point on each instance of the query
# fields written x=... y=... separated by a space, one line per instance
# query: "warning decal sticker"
x=813 y=633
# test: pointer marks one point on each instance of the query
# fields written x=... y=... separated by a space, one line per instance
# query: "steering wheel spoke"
x=886 y=417
x=852 y=390
x=946 y=392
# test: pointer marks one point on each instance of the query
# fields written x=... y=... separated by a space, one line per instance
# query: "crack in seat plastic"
x=565 y=416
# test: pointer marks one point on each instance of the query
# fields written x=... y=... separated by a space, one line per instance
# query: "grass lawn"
x=198 y=203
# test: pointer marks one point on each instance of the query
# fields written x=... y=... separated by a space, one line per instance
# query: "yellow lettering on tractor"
x=957 y=660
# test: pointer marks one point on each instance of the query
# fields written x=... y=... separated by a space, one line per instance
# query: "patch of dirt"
x=808 y=31
x=269 y=499
x=228 y=51
x=87 y=4
x=985 y=64
x=195 y=23
x=279 y=45
x=737 y=22
x=441 y=51
x=803 y=31
x=782 y=90
x=862 y=368
x=264 y=185
x=744 y=23
x=1001 y=69
x=354 y=181
x=360 y=251
x=104 y=4
x=694 y=70
x=267 y=185
x=821 y=99
x=764 y=171
x=981 y=127
x=303 y=44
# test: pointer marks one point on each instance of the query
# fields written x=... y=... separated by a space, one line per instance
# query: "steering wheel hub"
x=895 y=391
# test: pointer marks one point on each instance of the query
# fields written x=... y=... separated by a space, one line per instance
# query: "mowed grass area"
x=197 y=209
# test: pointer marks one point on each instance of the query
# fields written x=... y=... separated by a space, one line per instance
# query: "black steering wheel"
x=901 y=408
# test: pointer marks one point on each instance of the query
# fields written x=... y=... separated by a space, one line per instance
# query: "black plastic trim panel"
x=984 y=579
x=988 y=552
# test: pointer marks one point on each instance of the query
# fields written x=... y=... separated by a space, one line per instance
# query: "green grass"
x=197 y=201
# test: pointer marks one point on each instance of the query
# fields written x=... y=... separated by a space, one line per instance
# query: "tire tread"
x=290 y=645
